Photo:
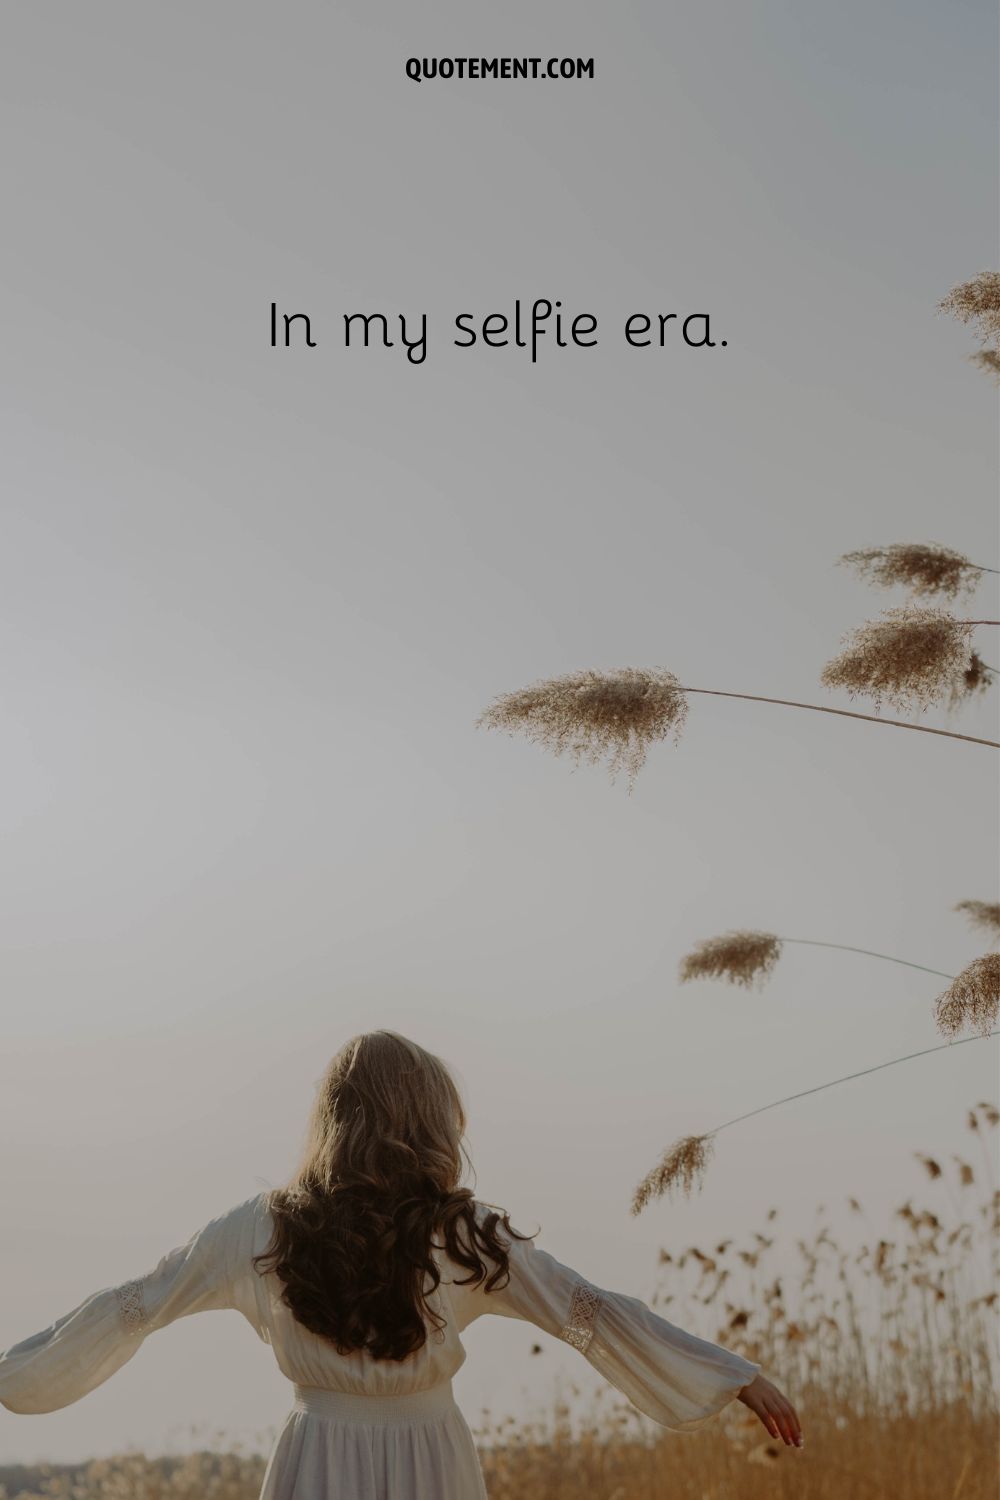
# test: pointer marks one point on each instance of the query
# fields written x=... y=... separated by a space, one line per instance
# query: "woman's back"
x=374 y=1427
x=309 y=1359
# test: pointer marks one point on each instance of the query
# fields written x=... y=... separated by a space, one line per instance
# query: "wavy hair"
x=355 y=1226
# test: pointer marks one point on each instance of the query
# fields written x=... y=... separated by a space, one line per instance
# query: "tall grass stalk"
x=683 y=1165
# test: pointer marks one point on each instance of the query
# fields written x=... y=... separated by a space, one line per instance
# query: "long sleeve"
x=85 y=1347
x=678 y=1380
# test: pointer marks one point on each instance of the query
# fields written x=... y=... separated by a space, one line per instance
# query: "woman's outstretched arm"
x=677 y=1379
x=85 y=1347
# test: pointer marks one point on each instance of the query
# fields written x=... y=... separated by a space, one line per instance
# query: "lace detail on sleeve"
x=584 y=1307
x=132 y=1306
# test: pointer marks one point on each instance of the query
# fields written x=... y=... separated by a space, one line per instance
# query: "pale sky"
x=253 y=601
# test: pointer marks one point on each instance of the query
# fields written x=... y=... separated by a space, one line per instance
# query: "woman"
x=361 y=1274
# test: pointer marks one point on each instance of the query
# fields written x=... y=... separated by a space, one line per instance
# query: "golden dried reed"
x=615 y=716
x=923 y=567
x=596 y=716
x=972 y=1001
x=987 y=360
x=910 y=657
x=743 y=957
x=977 y=678
x=977 y=302
x=682 y=1165
x=983 y=914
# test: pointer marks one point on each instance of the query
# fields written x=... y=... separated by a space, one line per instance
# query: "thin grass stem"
x=846 y=713
x=848 y=1077
x=869 y=953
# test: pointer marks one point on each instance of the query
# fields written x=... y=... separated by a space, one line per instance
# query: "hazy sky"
x=253 y=601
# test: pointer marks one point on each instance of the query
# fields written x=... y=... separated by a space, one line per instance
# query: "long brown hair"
x=353 y=1229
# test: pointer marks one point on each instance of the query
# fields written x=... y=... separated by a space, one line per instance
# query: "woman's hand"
x=774 y=1411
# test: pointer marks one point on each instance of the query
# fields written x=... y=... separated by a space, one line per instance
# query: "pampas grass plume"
x=923 y=567
x=977 y=678
x=910 y=658
x=982 y=914
x=745 y=958
x=977 y=302
x=681 y=1167
x=972 y=1001
x=987 y=360
x=596 y=716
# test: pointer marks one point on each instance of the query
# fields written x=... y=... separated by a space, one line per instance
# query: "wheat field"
x=888 y=1346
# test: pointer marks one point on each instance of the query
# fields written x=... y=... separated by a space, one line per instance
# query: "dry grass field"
x=889 y=1349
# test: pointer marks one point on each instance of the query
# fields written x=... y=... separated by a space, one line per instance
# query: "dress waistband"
x=354 y=1406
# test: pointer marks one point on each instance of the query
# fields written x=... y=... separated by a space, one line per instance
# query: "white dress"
x=360 y=1428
